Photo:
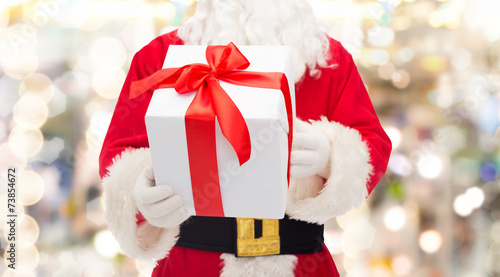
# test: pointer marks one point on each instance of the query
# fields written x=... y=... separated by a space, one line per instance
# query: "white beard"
x=261 y=22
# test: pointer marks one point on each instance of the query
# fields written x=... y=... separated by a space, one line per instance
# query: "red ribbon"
x=226 y=64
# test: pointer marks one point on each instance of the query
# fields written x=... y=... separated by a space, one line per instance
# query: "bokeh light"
x=106 y=244
x=400 y=165
x=354 y=217
x=401 y=23
x=31 y=187
x=402 y=265
x=430 y=166
x=20 y=66
x=11 y=159
x=465 y=203
x=165 y=10
x=145 y=268
x=68 y=266
x=25 y=142
x=404 y=55
x=395 y=218
x=491 y=263
x=462 y=206
x=38 y=84
x=357 y=239
x=333 y=242
x=377 y=56
x=84 y=16
x=107 y=81
x=98 y=127
x=461 y=59
x=394 y=135
x=386 y=71
x=28 y=230
x=434 y=63
x=400 y=79
x=475 y=196
x=107 y=51
x=30 y=112
x=17 y=40
x=358 y=233
x=380 y=36
x=430 y=241
x=489 y=172
x=101 y=268
x=495 y=232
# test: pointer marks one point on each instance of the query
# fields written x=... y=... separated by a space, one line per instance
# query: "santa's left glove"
x=310 y=151
x=158 y=204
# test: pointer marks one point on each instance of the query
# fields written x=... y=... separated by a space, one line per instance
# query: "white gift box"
x=257 y=189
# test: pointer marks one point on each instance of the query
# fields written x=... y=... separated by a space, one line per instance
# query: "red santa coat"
x=336 y=103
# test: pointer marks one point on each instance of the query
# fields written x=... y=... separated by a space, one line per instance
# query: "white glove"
x=310 y=151
x=158 y=204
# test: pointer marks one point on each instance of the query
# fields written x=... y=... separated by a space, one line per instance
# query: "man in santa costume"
x=340 y=151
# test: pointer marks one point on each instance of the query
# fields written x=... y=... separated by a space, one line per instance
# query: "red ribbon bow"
x=226 y=64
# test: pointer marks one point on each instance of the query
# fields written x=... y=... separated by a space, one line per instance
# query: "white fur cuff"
x=348 y=173
x=121 y=209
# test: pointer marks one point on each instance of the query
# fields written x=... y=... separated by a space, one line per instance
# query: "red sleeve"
x=127 y=128
x=351 y=106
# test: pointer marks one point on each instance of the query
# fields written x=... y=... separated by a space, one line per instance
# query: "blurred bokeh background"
x=432 y=69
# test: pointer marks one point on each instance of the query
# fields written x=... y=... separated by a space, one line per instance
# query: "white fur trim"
x=263 y=266
x=120 y=211
x=345 y=187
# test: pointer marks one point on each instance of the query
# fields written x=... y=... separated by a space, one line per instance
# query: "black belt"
x=251 y=237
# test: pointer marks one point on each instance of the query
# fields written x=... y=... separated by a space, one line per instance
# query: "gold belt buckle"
x=246 y=243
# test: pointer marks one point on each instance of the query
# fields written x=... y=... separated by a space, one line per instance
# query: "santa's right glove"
x=310 y=151
x=158 y=204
